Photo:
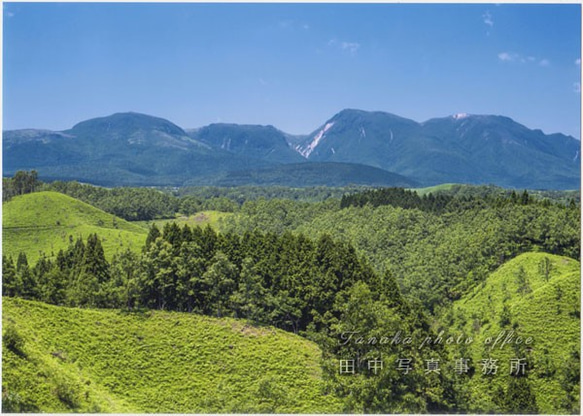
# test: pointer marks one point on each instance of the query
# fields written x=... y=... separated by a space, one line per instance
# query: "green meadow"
x=48 y=221
x=82 y=360
x=201 y=219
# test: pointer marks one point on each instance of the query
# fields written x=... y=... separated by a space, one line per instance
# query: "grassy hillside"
x=46 y=221
x=536 y=295
x=212 y=218
x=434 y=189
x=111 y=361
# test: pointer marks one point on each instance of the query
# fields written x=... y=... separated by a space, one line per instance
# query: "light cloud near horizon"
x=292 y=24
x=505 y=56
x=349 y=47
x=515 y=57
x=487 y=18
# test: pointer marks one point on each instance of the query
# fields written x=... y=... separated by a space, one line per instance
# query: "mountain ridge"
x=248 y=140
x=477 y=149
x=137 y=149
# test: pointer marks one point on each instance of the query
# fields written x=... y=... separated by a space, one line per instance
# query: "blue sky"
x=290 y=65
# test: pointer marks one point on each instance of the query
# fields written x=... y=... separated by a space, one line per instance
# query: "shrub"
x=13 y=340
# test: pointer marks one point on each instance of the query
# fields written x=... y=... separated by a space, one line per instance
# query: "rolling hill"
x=48 y=221
x=535 y=295
x=59 y=359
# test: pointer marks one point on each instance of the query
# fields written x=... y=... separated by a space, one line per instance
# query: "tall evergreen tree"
x=11 y=280
x=220 y=281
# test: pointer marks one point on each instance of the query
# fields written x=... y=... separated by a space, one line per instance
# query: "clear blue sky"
x=292 y=66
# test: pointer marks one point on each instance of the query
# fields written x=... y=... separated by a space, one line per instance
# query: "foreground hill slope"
x=535 y=295
x=47 y=221
x=154 y=362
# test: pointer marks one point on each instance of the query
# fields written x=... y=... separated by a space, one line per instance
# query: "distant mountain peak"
x=130 y=121
x=352 y=113
x=460 y=116
x=248 y=140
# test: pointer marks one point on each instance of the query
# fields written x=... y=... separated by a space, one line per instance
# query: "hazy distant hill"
x=309 y=174
x=136 y=149
x=121 y=149
x=260 y=142
x=461 y=148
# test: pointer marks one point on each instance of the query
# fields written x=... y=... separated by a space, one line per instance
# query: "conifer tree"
x=11 y=281
x=220 y=280
x=153 y=234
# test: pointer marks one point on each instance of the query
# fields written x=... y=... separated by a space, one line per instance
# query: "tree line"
x=443 y=201
x=287 y=281
x=21 y=183
x=145 y=204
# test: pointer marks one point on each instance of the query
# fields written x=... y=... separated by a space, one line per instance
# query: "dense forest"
x=436 y=257
x=326 y=264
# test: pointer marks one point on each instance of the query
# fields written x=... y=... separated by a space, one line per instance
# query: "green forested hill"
x=310 y=174
x=434 y=257
x=535 y=295
x=47 y=221
x=58 y=359
x=482 y=267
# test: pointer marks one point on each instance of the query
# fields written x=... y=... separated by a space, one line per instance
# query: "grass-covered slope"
x=111 y=361
x=201 y=219
x=46 y=221
x=536 y=295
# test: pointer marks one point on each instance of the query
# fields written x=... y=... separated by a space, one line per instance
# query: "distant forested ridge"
x=149 y=203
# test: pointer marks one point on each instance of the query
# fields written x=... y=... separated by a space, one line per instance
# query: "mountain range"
x=352 y=147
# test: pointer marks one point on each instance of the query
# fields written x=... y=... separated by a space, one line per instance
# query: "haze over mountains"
x=373 y=148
